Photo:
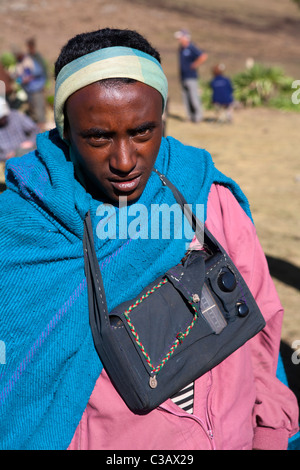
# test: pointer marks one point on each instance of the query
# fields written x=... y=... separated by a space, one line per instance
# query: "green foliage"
x=259 y=86
x=50 y=100
x=7 y=59
x=206 y=94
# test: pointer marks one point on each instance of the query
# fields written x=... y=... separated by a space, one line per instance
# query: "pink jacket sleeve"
x=275 y=415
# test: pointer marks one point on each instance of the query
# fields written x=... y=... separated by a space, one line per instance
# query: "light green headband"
x=111 y=62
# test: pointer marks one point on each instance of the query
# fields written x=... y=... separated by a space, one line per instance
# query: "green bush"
x=259 y=86
x=206 y=94
x=7 y=59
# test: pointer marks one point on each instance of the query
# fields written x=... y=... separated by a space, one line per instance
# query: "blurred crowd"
x=22 y=101
x=23 y=105
x=190 y=59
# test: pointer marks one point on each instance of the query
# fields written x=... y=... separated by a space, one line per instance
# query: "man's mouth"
x=126 y=186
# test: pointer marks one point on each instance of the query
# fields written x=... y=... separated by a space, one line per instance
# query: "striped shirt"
x=185 y=398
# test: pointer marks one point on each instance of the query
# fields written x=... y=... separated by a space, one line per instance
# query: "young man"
x=55 y=394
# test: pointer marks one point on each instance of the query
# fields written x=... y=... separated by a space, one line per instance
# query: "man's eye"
x=98 y=139
x=145 y=132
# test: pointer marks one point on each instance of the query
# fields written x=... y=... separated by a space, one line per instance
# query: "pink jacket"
x=238 y=405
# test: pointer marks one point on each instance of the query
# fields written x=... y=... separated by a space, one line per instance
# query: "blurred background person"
x=222 y=94
x=36 y=55
x=9 y=88
x=6 y=83
x=17 y=132
x=32 y=76
x=190 y=59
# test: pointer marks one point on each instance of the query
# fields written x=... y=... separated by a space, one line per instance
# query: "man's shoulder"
x=195 y=49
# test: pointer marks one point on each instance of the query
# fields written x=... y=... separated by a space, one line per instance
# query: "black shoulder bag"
x=180 y=326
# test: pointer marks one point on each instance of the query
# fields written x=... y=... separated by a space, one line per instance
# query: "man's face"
x=115 y=132
x=184 y=41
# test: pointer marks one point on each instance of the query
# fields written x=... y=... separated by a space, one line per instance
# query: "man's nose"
x=123 y=159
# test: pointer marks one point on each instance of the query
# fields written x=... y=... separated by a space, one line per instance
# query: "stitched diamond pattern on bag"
x=179 y=337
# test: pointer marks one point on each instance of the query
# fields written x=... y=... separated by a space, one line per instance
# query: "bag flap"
x=189 y=277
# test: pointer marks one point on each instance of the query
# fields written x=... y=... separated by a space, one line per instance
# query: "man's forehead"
x=129 y=107
x=110 y=62
x=117 y=91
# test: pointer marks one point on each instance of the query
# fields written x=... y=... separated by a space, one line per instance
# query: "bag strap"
x=96 y=298
x=96 y=303
x=196 y=224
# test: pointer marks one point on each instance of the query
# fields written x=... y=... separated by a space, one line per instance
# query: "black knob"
x=226 y=281
x=242 y=309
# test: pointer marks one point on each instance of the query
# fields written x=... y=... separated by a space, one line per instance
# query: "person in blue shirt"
x=222 y=94
x=32 y=76
x=190 y=58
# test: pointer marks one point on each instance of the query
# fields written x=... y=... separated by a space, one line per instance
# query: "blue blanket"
x=50 y=364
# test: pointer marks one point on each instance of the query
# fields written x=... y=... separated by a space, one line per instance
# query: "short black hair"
x=85 y=43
